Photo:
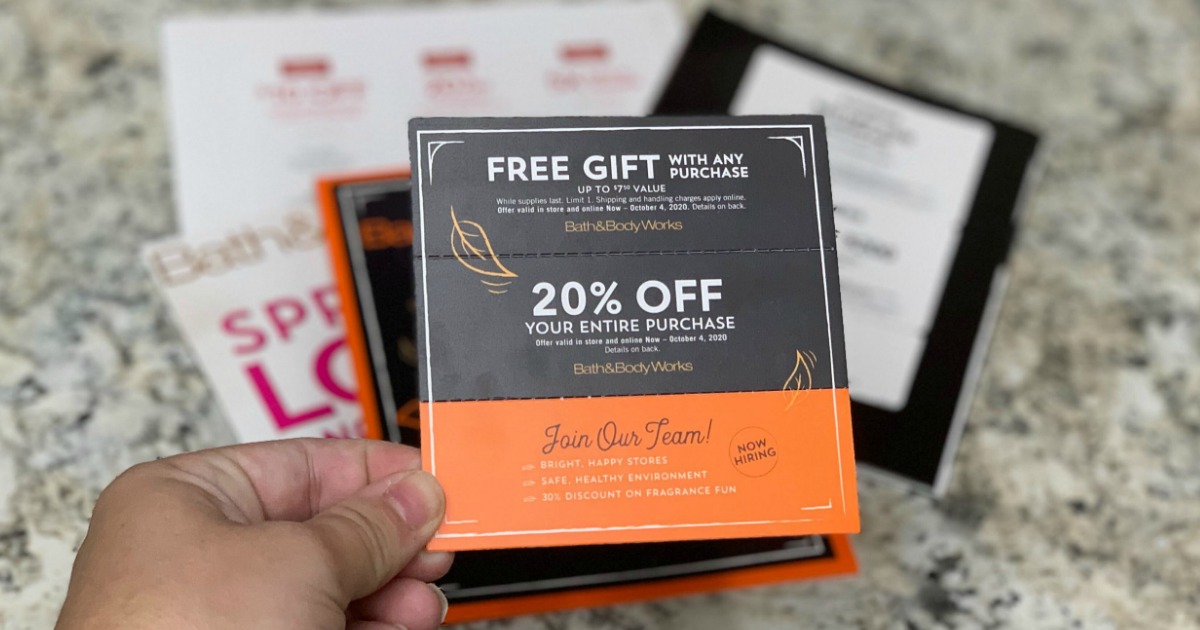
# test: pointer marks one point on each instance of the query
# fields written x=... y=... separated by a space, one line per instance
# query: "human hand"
x=290 y=534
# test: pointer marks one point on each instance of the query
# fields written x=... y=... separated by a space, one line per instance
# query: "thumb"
x=371 y=536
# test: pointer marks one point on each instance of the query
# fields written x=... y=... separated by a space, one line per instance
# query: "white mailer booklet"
x=261 y=104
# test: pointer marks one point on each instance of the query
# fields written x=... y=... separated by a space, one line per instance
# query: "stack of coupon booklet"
x=642 y=354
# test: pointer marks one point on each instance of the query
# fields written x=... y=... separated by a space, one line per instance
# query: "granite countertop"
x=1076 y=500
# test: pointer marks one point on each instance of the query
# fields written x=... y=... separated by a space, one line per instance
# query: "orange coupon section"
x=618 y=469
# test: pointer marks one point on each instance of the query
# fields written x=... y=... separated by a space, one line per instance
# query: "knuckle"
x=127 y=482
x=136 y=473
x=370 y=540
x=315 y=541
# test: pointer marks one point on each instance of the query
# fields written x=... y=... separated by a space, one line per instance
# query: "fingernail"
x=442 y=598
x=438 y=557
x=417 y=497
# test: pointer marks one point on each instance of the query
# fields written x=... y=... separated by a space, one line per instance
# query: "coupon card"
x=369 y=229
x=629 y=330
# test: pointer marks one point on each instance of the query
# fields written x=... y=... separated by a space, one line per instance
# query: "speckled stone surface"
x=1076 y=501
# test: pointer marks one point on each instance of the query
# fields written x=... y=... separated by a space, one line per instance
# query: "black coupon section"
x=619 y=325
x=573 y=186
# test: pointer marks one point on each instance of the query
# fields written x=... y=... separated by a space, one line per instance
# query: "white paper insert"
x=904 y=175
x=262 y=316
x=260 y=104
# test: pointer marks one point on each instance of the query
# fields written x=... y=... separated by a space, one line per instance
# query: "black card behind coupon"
x=915 y=440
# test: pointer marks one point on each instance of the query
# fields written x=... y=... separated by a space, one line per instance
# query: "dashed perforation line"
x=683 y=393
x=679 y=252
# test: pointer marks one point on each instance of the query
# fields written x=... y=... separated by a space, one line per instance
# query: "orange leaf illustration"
x=800 y=380
x=473 y=248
